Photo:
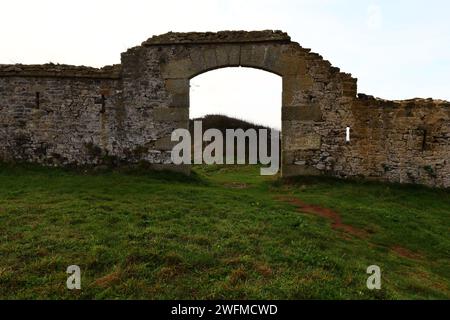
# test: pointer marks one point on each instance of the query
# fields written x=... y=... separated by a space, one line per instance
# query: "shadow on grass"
x=138 y=170
x=334 y=181
x=145 y=170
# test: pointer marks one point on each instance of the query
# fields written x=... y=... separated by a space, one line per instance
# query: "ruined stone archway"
x=64 y=115
x=310 y=84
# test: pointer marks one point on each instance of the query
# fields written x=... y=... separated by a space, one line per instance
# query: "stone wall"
x=57 y=114
x=402 y=141
x=63 y=115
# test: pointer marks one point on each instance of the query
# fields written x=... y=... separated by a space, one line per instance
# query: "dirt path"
x=337 y=224
x=406 y=253
x=336 y=220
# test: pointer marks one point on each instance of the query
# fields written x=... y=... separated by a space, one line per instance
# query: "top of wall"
x=59 y=71
x=218 y=37
x=375 y=101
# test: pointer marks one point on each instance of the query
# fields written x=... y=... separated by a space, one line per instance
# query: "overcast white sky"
x=396 y=48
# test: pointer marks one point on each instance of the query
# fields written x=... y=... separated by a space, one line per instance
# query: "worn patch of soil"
x=108 y=279
x=430 y=281
x=263 y=269
x=406 y=253
x=336 y=220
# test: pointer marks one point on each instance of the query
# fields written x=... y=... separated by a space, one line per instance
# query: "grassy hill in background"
x=221 y=122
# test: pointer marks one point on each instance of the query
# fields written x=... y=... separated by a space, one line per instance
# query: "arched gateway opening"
x=244 y=101
x=246 y=94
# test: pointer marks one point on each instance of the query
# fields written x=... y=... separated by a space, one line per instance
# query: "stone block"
x=177 y=86
x=272 y=59
x=292 y=170
x=309 y=141
x=182 y=124
x=228 y=56
x=180 y=100
x=302 y=113
x=197 y=60
x=38 y=88
x=210 y=59
x=253 y=56
x=165 y=144
x=179 y=90
x=290 y=65
x=294 y=87
x=350 y=88
x=288 y=157
x=176 y=69
x=170 y=114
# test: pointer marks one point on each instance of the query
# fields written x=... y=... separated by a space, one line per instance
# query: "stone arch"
x=310 y=85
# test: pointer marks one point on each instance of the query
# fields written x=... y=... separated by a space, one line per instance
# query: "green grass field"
x=223 y=233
